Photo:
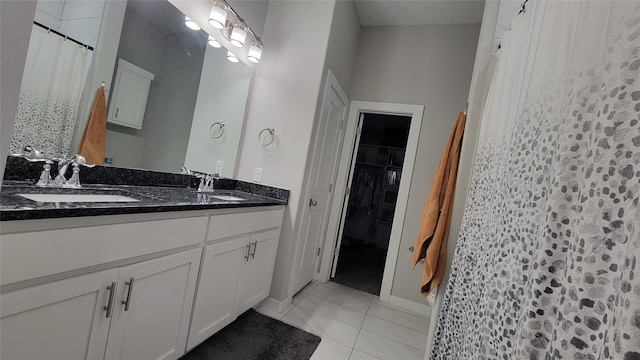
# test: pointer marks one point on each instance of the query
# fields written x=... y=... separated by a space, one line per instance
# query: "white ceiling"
x=419 y=12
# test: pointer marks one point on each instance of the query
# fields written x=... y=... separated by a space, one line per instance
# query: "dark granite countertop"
x=150 y=200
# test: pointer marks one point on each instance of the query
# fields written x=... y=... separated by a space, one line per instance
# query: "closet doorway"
x=375 y=178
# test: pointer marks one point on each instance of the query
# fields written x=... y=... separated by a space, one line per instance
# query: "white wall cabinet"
x=59 y=320
x=129 y=96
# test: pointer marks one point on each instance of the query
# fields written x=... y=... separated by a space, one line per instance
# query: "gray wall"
x=175 y=56
x=427 y=65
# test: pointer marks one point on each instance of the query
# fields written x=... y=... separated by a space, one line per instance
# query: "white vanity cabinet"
x=143 y=286
x=152 y=308
x=46 y=318
x=59 y=320
x=256 y=273
x=237 y=269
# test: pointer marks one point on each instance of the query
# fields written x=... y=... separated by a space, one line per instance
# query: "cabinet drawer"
x=35 y=254
x=228 y=225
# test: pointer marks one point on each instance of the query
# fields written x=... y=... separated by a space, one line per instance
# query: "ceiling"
x=419 y=12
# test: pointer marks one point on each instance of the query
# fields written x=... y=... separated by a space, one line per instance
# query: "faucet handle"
x=78 y=159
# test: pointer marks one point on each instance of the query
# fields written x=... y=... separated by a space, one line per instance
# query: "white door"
x=153 y=309
x=256 y=274
x=336 y=252
x=323 y=170
x=214 y=301
x=59 y=320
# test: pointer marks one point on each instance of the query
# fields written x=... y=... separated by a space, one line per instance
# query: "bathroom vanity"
x=143 y=279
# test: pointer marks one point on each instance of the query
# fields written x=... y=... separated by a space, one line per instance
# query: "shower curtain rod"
x=64 y=36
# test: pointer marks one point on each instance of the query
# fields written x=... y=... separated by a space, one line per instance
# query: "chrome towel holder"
x=212 y=130
x=268 y=138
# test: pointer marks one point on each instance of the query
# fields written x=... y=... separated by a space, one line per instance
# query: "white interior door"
x=343 y=215
x=324 y=167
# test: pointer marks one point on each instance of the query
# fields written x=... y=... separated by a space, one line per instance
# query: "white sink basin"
x=77 y=198
x=227 y=198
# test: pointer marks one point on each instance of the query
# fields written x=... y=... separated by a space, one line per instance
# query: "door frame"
x=338 y=203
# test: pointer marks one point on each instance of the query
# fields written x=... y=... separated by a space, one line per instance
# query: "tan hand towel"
x=93 y=138
x=431 y=242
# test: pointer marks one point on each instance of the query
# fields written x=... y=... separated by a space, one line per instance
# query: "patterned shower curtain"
x=547 y=264
x=52 y=83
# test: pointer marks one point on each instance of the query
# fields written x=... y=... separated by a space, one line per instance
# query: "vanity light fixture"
x=218 y=14
x=238 y=35
x=213 y=42
x=191 y=24
x=255 y=52
x=232 y=57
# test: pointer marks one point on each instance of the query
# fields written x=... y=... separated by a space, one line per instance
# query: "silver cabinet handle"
x=253 y=253
x=112 y=295
x=128 y=301
x=246 y=256
x=313 y=202
x=117 y=110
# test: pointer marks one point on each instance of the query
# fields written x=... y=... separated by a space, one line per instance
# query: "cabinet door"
x=215 y=296
x=130 y=95
x=59 y=320
x=254 y=284
x=160 y=297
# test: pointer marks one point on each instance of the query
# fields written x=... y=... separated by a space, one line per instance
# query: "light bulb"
x=213 y=42
x=232 y=57
x=238 y=37
x=217 y=17
x=191 y=24
x=255 y=53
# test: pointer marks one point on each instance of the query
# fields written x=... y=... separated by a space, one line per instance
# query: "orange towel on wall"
x=94 y=136
x=431 y=242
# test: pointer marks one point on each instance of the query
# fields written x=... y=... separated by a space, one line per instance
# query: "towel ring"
x=271 y=133
x=212 y=132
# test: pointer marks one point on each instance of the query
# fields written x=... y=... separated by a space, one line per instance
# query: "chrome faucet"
x=38 y=156
x=63 y=164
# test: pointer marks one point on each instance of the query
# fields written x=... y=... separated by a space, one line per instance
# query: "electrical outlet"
x=219 y=166
x=257 y=175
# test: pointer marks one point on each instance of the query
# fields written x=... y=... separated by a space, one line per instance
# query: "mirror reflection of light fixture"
x=238 y=35
x=213 y=42
x=191 y=24
x=232 y=57
x=255 y=52
x=217 y=15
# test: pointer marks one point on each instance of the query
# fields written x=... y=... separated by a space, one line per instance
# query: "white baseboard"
x=419 y=308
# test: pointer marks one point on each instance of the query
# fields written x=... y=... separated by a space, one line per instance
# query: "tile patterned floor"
x=354 y=325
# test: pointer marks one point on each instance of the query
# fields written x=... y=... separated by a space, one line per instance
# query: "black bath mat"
x=253 y=336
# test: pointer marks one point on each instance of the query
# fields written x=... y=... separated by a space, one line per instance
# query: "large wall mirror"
x=195 y=99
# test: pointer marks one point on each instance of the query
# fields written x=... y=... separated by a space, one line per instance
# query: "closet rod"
x=63 y=35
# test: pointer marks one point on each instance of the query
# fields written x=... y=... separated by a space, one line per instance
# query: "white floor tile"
x=332 y=310
x=376 y=300
x=359 y=355
x=355 y=302
x=351 y=291
x=399 y=317
x=399 y=333
x=321 y=325
x=331 y=350
x=386 y=349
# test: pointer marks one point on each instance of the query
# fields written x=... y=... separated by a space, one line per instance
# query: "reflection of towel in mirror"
x=93 y=138
x=431 y=243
